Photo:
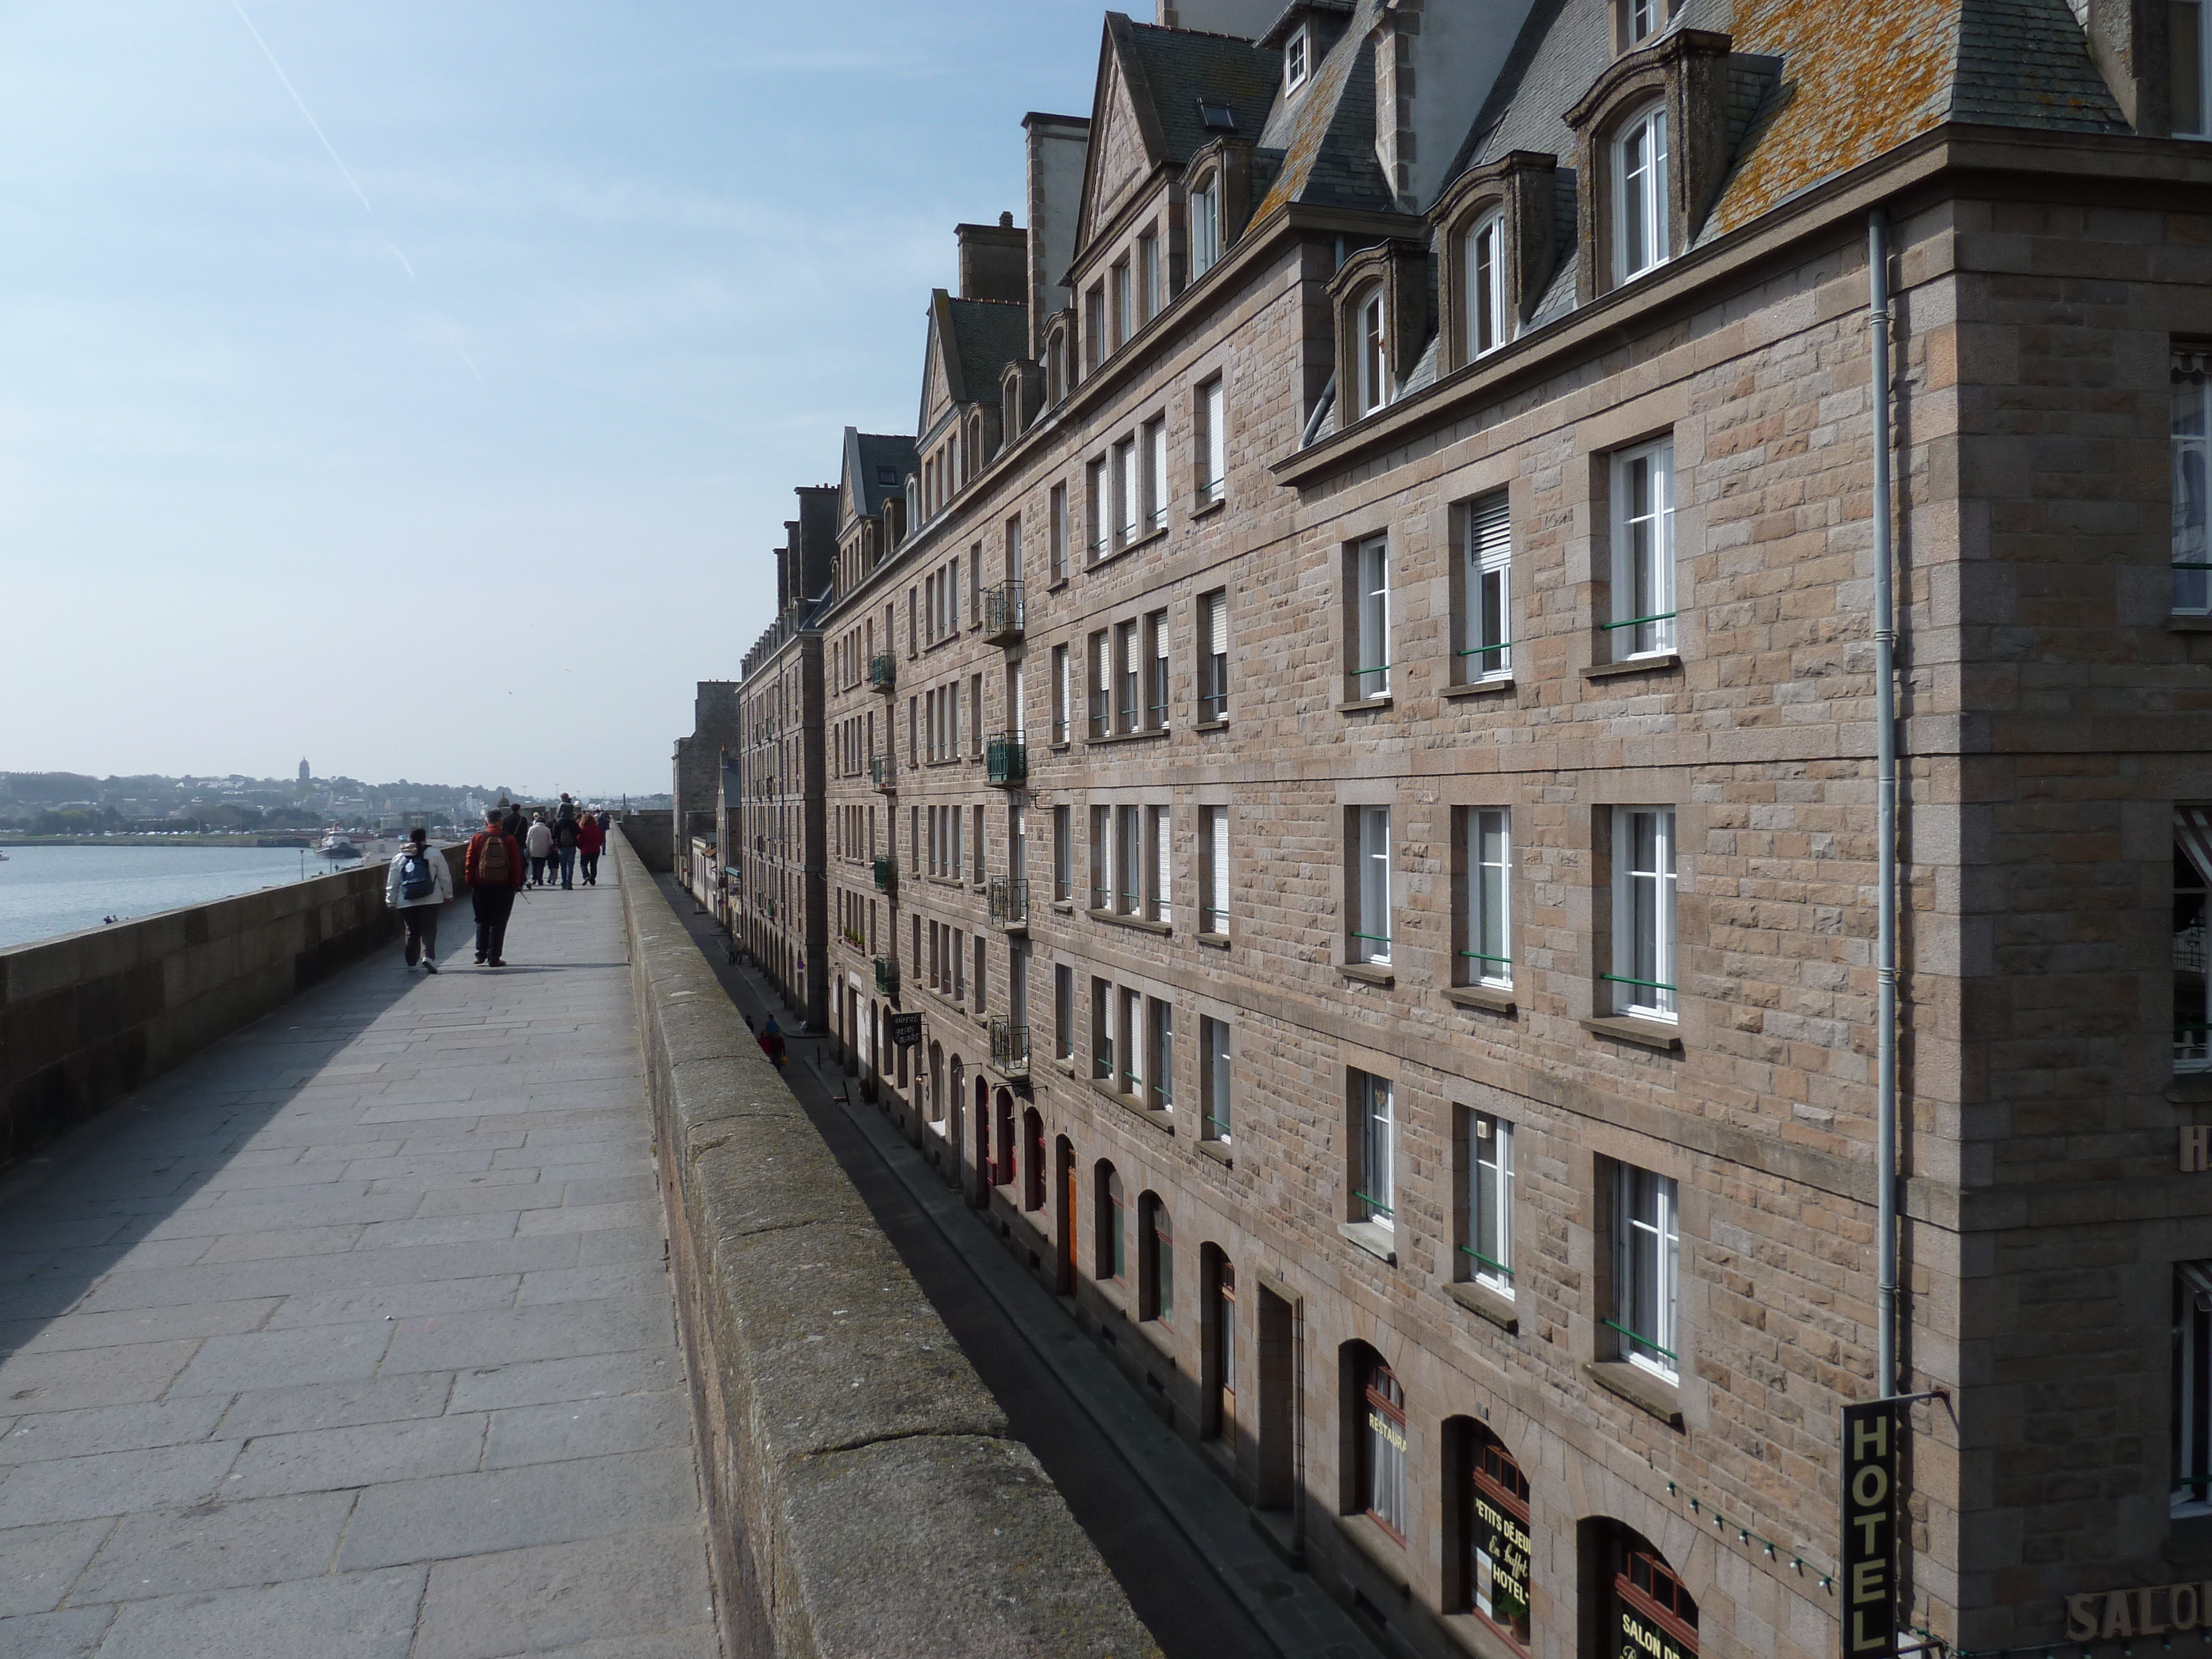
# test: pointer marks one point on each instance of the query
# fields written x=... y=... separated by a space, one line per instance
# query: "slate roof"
x=1181 y=66
x=1324 y=131
x=986 y=335
x=867 y=453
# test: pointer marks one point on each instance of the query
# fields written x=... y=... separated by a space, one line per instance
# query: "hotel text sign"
x=1869 y=1553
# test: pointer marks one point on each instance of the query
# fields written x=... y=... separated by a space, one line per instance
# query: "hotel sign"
x=1501 y=1561
x=1869 y=1573
x=906 y=1031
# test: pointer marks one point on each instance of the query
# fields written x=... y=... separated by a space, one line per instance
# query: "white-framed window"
x=2192 y=375
x=1159 y=1032
x=1646 y=1256
x=2192 y=1388
x=1373 y=368
x=1102 y=684
x=1486 y=635
x=1371 y=620
x=1158 y=639
x=1644 y=912
x=1382 y=1451
x=2188 y=69
x=1063 y=854
x=1151 y=289
x=1298 y=52
x=1214 y=1103
x=2192 y=910
x=1213 y=655
x=1061 y=690
x=1643 y=574
x=1101 y=857
x=1129 y=859
x=1639 y=193
x=1063 y=1011
x=1156 y=475
x=1213 y=869
x=1374 y=1187
x=1096 y=507
x=1205 y=225
x=1488 y=326
x=1159 y=846
x=1125 y=305
x=1129 y=703
x=1210 y=410
x=1056 y=517
x=1129 y=484
x=1102 y=1034
x=1639 y=18
x=1488 y=952
x=1370 y=921
x=1489 y=1224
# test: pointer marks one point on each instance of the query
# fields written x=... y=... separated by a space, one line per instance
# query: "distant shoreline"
x=277 y=839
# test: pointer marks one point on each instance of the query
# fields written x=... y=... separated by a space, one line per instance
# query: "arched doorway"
x=1033 y=1173
x=1641 y=1603
x=984 y=1173
x=1487 y=1560
x=1002 y=1166
x=1064 y=1151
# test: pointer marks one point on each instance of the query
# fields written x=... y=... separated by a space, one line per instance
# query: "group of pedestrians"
x=505 y=856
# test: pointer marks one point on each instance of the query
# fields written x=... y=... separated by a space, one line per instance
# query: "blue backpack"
x=417 y=880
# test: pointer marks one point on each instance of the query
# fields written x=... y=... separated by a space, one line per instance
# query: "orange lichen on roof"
x=1856 y=81
x=1317 y=100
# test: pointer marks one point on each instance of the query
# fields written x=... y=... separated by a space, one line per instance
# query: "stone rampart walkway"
x=351 y=1338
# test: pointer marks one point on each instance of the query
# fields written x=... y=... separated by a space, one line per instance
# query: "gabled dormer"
x=959 y=429
x=1165 y=98
x=871 y=501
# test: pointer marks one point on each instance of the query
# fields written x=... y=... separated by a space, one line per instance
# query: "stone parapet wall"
x=86 y=1018
x=866 y=1495
x=652 y=837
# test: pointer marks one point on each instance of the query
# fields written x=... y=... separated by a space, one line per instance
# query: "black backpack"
x=564 y=833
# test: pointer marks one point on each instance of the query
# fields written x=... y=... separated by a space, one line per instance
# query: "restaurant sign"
x=1501 y=1562
x=906 y=1031
x=1640 y=1639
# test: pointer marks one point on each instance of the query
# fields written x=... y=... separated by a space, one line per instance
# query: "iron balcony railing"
x=1002 y=614
x=1009 y=1049
x=1010 y=902
x=887 y=976
x=884 y=770
x=886 y=874
x=1006 y=760
x=883 y=671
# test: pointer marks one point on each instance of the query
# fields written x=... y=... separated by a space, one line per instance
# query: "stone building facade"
x=1356 y=732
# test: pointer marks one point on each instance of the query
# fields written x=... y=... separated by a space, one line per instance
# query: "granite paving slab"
x=282 y=1372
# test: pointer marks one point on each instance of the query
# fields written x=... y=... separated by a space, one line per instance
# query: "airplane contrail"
x=305 y=110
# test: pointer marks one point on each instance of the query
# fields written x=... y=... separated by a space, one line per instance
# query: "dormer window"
x=1216 y=116
x=1488 y=322
x=1639 y=193
x=1296 y=52
x=1639 y=21
x=1373 y=390
x=1205 y=225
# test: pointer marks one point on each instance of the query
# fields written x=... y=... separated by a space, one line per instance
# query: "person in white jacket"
x=538 y=843
x=419 y=883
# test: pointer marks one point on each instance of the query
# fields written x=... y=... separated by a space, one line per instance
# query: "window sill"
x=2189 y=625
x=1485 y=1302
x=1212 y=941
x=1367 y=974
x=1116 y=919
x=1639 y=1388
x=1480 y=688
x=1220 y=1153
x=1125 y=548
x=1221 y=725
x=1065 y=907
x=1365 y=705
x=1645 y=1033
x=1056 y=584
x=1207 y=509
x=1379 y=1242
x=1157 y=1117
x=1491 y=1001
x=1657 y=662
x=1060 y=748
x=2190 y=1088
x=1130 y=737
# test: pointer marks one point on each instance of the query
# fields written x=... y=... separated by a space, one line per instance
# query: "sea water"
x=46 y=890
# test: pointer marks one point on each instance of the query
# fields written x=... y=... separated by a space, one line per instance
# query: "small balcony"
x=1002 y=614
x=1006 y=760
x=887 y=976
x=884 y=770
x=886 y=874
x=1009 y=1049
x=1010 y=903
x=883 y=671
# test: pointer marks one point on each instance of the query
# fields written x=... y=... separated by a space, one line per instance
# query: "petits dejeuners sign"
x=2101 y=1615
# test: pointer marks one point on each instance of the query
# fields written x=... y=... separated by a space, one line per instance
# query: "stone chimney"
x=1246 y=19
x=991 y=260
x=1057 y=145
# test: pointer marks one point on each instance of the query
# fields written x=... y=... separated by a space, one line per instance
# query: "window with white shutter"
x=1486 y=644
x=1158 y=905
x=2192 y=375
x=1156 y=450
x=1213 y=659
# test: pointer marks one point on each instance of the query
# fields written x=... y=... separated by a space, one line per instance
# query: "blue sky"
x=455 y=449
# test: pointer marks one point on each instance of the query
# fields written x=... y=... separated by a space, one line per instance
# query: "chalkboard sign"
x=906 y=1031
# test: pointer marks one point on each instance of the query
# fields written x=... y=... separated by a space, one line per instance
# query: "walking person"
x=590 y=838
x=494 y=872
x=510 y=821
x=540 y=844
x=564 y=845
x=419 y=884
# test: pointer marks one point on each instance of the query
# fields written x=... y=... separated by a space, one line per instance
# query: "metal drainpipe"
x=1885 y=647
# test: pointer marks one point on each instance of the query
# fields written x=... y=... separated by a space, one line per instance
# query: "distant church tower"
x=303 y=771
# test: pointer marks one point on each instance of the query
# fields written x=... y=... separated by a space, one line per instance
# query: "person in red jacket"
x=493 y=873
x=590 y=838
